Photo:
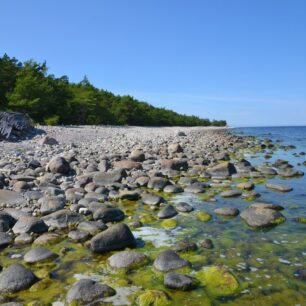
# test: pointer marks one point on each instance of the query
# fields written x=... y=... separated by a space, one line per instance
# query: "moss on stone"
x=169 y=223
x=301 y=219
x=203 y=216
x=153 y=298
x=218 y=282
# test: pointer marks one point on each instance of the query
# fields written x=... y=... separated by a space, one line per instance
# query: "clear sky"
x=239 y=60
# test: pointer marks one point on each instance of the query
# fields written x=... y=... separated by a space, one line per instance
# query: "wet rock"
x=230 y=193
x=38 y=254
x=218 y=282
x=195 y=188
x=266 y=205
x=185 y=246
x=267 y=170
x=167 y=212
x=157 y=183
x=16 y=278
x=58 y=165
x=47 y=238
x=154 y=298
x=227 y=211
x=173 y=189
x=28 y=224
x=289 y=172
x=50 y=204
x=178 y=281
x=245 y=186
x=183 y=207
x=127 y=260
x=87 y=291
x=115 y=237
x=279 y=187
x=130 y=195
x=207 y=244
x=109 y=214
x=169 y=260
x=203 y=216
x=262 y=217
x=151 y=199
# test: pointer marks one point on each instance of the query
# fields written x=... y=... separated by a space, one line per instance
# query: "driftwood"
x=12 y=123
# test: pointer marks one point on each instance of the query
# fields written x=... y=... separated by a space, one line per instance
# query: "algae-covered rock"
x=203 y=216
x=169 y=223
x=153 y=298
x=218 y=282
x=301 y=219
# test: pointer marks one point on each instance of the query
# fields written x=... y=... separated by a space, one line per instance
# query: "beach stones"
x=151 y=199
x=62 y=219
x=167 y=212
x=169 y=260
x=231 y=193
x=137 y=156
x=38 y=254
x=127 y=260
x=109 y=214
x=87 y=291
x=227 y=211
x=279 y=187
x=218 y=282
x=28 y=224
x=175 y=148
x=11 y=198
x=115 y=237
x=5 y=239
x=127 y=165
x=109 y=178
x=58 y=164
x=178 y=281
x=261 y=216
x=16 y=278
x=174 y=164
x=183 y=207
x=223 y=169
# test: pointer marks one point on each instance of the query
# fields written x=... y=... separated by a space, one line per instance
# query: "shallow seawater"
x=264 y=261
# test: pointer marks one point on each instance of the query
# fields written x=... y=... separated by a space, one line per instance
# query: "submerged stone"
x=203 y=216
x=153 y=298
x=218 y=282
x=279 y=187
x=169 y=260
x=38 y=254
x=178 y=281
x=127 y=260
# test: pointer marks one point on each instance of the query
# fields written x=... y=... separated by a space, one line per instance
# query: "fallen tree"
x=14 y=124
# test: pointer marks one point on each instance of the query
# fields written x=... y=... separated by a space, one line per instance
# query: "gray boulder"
x=58 y=164
x=178 y=281
x=127 y=260
x=16 y=278
x=28 y=224
x=38 y=254
x=169 y=260
x=167 y=212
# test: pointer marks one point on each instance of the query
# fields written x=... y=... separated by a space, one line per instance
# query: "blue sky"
x=239 y=60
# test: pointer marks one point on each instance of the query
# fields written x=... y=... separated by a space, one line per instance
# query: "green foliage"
x=26 y=87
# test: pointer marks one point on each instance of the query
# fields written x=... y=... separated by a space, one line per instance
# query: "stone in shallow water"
x=16 y=278
x=185 y=246
x=78 y=236
x=203 y=216
x=88 y=291
x=207 y=244
x=127 y=260
x=230 y=193
x=47 y=238
x=169 y=260
x=38 y=254
x=222 y=169
x=115 y=237
x=279 y=187
x=266 y=205
x=109 y=214
x=178 y=281
x=218 y=282
x=153 y=298
x=262 y=217
x=167 y=212
x=195 y=188
x=183 y=207
x=227 y=211
x=151 y=199
x=173 y=189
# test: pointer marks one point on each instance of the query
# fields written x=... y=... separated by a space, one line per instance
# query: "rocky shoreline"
x=93 y=186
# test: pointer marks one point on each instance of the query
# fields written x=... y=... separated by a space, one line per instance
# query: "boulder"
x=169 y=260
x=28 y=224
x=127 y=260
x=109 y=178
x=63 y=219
x=167 y=212
x=38 y=254
x=178 y=281
x=174 y=164
x=222 y=169
x=137 y=156
x=115 y=237
x=227 y=211
x=279 y=187
x=16 y=278
x=58 y=164
x=87 y=291
x=127 y=165
x=109 y=214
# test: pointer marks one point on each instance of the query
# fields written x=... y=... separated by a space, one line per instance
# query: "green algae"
x=153 y=298
x=169 y=223
x=218 y=282
x=301 y=219
x=203 y=216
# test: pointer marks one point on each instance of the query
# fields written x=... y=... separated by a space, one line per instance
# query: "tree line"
x=28 y=88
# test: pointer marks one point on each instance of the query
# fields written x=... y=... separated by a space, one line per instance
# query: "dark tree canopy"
x=28 y=88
